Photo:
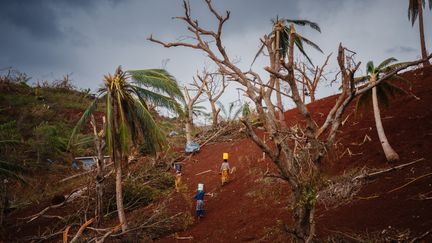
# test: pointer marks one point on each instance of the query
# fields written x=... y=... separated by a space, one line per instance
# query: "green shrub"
x=48 y=142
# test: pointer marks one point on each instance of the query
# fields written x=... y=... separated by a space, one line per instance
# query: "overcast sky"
x=89 y=38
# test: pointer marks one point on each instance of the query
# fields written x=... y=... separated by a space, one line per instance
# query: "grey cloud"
x=401 y=49
x=40 y=18
x=90 y=38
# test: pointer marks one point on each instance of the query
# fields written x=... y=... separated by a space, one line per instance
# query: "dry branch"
x=81 y=230
x=416 y=239
x=107 y=234
x=377 y=173
x=411 y=181
x=184 y=237
x=204 y=172
x=65 y=234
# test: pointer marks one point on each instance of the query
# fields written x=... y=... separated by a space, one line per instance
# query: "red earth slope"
x=250 y=208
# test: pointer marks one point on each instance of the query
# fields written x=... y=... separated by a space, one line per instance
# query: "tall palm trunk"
x=117 y=156
x=421 y=29
x=119 y=196
x=390 y=154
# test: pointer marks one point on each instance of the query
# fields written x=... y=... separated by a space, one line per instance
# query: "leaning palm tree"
x=128 y=120
x=415 y=9
x=284 y=37
x=380 y=93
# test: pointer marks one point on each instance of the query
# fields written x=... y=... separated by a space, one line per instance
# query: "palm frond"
x=392 y=90
x=158 y=79
x=363 y=100
x=260 y=51
x=386 y=62
x=122 y=111
x=413 y=10
x=370 y=67
x=284 y=41
x=84 y=118
x=158 y=99
x=109 y=124
x=383 y=98
x=361 y=80
x=230 y=109
x=298 y=42
x=153 y=138
x=222 y=107
x=303 y=22
x=399 y=81
x=310 y=43
x=246 y=110
x=392 y=67
x=236 y=115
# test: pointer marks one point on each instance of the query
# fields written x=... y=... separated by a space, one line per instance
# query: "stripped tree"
x=283 y=31
x=298 y=151
x=310 y=77
x=99 y=142
x=190 y=101
x=214 y=87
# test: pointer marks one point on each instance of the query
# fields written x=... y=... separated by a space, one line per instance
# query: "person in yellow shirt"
x=225 y=169
x=178 y=174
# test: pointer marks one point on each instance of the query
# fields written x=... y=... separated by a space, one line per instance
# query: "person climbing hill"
x=225 y=169
x=178 y=175
x=199 y=197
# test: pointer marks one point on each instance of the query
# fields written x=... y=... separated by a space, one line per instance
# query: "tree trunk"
x=99 y=191
x=312 y=95
x=119 y=196
x=189 y=124
x=188 y=131
x=422 y=37
x=390 y=154
x=215 y=113
x=304 y=223
x=99 y=146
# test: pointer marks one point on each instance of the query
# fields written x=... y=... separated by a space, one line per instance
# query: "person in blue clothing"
x=199 y=197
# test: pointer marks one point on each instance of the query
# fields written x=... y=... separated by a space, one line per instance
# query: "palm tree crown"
x=386 y=89
x=128 y=119
x=413 y=9
x=282 y=30
x=127 y=102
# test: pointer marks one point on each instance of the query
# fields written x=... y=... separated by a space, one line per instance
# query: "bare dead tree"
x=311 y=84
x=298 y=151
x=189 y=104
x=99 y=142
x=214 y=86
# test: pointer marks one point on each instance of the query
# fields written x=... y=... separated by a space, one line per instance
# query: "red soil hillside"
x=251 y=208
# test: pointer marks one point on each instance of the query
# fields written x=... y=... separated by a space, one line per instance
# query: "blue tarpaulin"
x=192 y=147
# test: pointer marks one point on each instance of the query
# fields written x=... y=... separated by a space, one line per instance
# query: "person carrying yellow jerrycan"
x=225 y=169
